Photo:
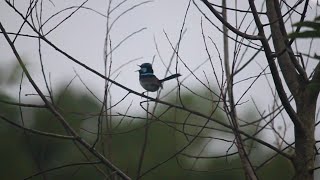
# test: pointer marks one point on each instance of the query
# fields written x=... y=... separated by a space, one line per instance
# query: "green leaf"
x=305 y=34
x=309 y=24
x=313 y=33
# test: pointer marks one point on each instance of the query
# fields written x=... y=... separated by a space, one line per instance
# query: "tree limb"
x=274 y=71
x=229 y=26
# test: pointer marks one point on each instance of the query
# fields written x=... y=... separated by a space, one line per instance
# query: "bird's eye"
x=143 y=70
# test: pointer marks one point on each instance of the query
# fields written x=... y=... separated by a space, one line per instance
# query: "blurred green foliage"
x=311 y=29
x=23 y=154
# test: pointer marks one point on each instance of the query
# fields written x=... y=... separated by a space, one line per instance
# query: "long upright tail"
x=170 y=77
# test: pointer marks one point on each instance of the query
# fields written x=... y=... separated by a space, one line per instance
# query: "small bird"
x=149 y=81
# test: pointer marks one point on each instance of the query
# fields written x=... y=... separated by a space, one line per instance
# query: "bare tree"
x=257 y=37
x=301 y=83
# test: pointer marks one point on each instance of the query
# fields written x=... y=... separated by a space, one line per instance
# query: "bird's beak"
x=138 y=70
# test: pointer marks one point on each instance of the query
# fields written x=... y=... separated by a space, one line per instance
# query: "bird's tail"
x=170 y=77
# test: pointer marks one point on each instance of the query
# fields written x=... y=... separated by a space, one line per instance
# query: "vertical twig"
x=249 y=171
x=145 y=141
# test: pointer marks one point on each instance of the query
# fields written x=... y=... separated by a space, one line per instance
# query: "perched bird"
x=149 y=81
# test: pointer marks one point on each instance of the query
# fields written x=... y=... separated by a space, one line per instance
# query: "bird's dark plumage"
x=149 y=81
x=170 y=77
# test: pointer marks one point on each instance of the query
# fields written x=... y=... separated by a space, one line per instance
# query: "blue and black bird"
x=149 y=81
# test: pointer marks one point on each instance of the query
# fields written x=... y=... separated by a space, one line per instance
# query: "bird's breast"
x=150 y=83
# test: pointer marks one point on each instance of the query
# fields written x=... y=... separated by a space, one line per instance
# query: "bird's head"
x=145 y=69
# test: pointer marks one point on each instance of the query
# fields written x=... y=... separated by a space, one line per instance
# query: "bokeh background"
x=83 y=37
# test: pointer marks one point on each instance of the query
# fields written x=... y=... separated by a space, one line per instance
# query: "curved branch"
x=229 y=26
x=287 y=62
x=58 y=115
